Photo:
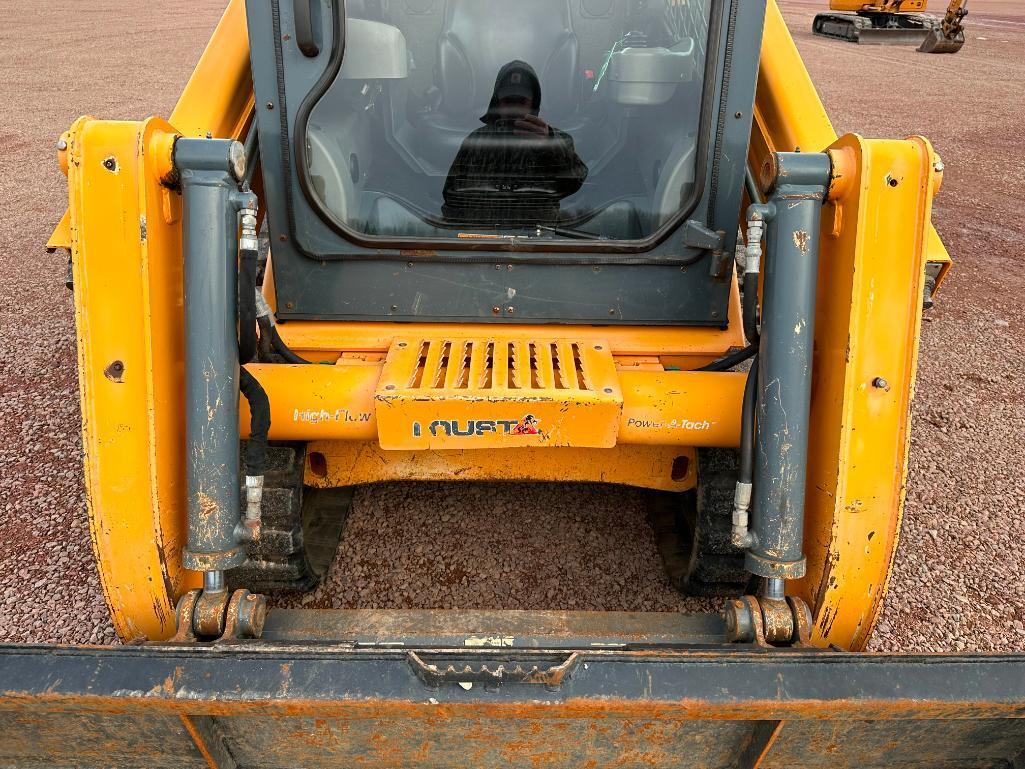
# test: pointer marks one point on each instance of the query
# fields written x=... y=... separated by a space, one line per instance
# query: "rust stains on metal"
x=535 y=711
x=207 y=505
x=802 y=240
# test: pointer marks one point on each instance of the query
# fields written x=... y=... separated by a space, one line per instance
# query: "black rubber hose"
x=269 y=331
x=731 y=360
x=747 y=425
x=750 y=307
x=259 y=422
x=247 y=265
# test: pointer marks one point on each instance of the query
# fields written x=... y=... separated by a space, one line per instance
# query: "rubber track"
x=301 y=528
x=692 y=530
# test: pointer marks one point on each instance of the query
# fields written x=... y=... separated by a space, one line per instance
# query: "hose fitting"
x=251 y=523
x=742 y=535
x=248 y=240
x=753 y=251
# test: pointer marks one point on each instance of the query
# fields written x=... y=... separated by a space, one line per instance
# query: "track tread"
x=692 y=530
x=301 y=528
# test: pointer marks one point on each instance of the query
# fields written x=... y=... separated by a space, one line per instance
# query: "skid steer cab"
x=604 y=241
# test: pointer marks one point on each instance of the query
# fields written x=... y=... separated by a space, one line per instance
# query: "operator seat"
x=477 y=38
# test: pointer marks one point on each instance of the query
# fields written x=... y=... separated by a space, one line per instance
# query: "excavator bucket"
x=935 y=42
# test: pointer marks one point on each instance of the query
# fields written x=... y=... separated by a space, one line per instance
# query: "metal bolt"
x=110 y=164
x=289 y=306
x=612 y=311
x=389 y=387
x=394 y=308
x=402 y=344
x=282 y=238
x=738 y=115
x=598 y=347
x=510 y=310
x=739 y=623
x=608 y=391
x=252 y=614
x=496 y=310
x=881 y=383
x=62 y=145
x=270 y=105
x=938 y=166
x=409 y=265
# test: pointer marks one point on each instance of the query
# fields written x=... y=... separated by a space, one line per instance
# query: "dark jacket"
x=500 y=178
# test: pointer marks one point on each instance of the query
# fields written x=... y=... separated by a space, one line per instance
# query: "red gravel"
x=957 y=582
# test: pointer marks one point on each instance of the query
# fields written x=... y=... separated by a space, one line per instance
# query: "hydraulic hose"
x=747 y=424
x=259 y=422
x=731 y=360
x=752 y=268
x=750 y=307
x=269 y=331
x=256 y=453
x=249 y=387
x=247 y=262
x=248 y=252
x=742 y=536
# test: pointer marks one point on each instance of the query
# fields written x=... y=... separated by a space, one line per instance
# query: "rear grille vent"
x=473 y=364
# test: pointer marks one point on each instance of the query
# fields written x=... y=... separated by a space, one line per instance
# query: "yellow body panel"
x=347 y=463
x=789 y=114
x=866 y=347
x=124 y=230
x=889 y=6
x=126 y=255
x=659 y=408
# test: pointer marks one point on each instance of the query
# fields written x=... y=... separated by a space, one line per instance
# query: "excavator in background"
x=603 y=241
x=894 y=22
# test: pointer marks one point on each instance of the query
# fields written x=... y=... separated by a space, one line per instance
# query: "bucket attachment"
x=468 y=689
x=935 y=42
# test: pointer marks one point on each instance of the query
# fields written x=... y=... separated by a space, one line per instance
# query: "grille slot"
x=489 y=365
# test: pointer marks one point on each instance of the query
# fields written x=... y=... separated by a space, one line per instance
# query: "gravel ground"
x=958 y=578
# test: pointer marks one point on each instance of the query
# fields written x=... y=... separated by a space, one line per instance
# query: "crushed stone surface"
x=959 y=573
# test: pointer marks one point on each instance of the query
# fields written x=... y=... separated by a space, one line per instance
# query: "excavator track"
x=693 y=533
x=301 y=528
x=876 y=28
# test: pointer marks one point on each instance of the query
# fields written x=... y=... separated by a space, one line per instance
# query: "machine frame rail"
x=270 y=704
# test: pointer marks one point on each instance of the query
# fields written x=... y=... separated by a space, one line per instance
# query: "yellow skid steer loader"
x=602 y=241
